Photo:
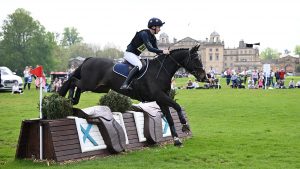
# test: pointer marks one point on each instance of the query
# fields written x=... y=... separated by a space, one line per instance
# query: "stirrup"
x=125 y=87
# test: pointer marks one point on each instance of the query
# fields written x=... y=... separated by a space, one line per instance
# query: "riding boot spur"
x=131 y=75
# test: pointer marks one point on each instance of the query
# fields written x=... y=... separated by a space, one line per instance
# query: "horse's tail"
x=67 y=84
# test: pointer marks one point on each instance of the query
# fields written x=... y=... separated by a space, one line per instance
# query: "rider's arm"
x=148 y=44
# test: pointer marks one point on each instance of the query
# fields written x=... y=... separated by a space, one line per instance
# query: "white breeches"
x=133 y=59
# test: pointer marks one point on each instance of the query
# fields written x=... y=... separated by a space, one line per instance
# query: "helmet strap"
x=154 y=29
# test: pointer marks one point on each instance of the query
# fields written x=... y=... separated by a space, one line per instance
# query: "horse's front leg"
x=167 y=114
x=166 y=100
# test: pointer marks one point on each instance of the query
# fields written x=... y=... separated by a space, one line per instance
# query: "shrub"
x=56 y=107
x=115 y=101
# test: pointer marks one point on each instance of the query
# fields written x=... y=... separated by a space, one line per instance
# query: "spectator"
x=190 y=84
x=234 y=78
x=281 y=74
x=292 y=84
x=261 y=82
x=27 y=77
x=281 y=84
x=298 y=84
x=16 y=89
x=271 y=81
x=251 y=83
x=255 y=76
x=228 y=74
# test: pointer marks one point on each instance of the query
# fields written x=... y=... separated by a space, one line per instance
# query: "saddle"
x=125 y=67
x=111 y=131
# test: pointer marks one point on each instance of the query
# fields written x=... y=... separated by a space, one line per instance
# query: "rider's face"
x=157 y=29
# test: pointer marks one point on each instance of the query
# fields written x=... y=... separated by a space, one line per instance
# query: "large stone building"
x=213 y=54
x=242 y=57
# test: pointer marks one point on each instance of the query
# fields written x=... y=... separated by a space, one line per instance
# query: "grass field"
x=232 y=128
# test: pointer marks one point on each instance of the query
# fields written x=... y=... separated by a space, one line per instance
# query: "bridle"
x=186 y=62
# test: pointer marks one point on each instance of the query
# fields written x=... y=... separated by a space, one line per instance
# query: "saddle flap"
x=99 y=111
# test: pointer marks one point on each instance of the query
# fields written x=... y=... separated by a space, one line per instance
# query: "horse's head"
x=193 y=64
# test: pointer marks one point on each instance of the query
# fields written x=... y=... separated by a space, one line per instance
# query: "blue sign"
x=86 y=134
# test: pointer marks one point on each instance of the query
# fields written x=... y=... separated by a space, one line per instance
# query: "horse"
x=97 y=75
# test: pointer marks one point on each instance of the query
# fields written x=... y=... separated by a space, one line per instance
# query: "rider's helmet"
x=155 y=22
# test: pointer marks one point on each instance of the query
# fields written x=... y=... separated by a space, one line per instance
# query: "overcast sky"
x=274 y=24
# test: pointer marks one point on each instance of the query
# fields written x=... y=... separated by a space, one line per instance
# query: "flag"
x=38 y=71
x=248 y=45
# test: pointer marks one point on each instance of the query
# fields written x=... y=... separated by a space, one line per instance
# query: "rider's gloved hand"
x=166 y=51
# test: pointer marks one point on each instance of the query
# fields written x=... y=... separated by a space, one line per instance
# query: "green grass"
x=232 y=128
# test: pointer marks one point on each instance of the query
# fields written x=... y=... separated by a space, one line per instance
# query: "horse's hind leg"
x=75 y=99
x=74 y=90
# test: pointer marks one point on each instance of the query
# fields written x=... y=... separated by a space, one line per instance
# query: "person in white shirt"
x=251 y=83
x=16 y=89
x=292 y=84
x=298 y=84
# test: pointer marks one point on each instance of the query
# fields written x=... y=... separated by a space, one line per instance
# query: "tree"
x=110 y=51
x=25 y=42
x=70 y=37
x=297 y=50
x=269 y=54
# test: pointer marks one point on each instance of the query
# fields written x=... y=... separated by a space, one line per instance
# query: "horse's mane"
x=171 y=52
x=179 y=49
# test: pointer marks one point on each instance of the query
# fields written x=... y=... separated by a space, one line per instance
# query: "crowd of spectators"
x=258 y=79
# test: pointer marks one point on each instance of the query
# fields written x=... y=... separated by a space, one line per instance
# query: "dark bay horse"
x=96 y=75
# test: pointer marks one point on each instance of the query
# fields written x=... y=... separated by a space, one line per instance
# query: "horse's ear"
x=194 y=49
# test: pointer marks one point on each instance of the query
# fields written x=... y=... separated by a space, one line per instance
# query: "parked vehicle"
x=8 y=79
x=60 y=75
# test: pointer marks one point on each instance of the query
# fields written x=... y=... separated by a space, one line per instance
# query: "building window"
x=210 y=57
x=217 y=56
x=217 y=49
x=241 y=52
x=231 y=58
x=210 y=49
x=250 y=51
x=245 y=52
x=225 y=64
x=225 y=58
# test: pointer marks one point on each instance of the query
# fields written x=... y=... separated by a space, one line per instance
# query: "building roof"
x=214 y=34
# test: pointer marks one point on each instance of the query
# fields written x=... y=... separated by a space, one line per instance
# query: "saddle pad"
x=121 y=69
x=124 y=69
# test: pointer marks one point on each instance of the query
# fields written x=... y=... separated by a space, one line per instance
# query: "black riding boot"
x=131 y=74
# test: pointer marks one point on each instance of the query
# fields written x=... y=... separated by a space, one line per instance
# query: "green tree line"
x=25 y=42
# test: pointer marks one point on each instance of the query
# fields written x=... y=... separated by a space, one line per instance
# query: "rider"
x=142 y=40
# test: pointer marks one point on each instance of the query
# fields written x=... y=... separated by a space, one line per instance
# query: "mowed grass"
x=232 y=128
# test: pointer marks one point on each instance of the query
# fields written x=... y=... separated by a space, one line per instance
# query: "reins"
x=177 y=63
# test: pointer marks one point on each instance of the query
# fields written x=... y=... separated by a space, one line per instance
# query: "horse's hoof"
x=185 y=128
x=177 y=142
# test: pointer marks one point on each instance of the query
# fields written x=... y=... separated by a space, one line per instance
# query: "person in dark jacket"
x=144 y=39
